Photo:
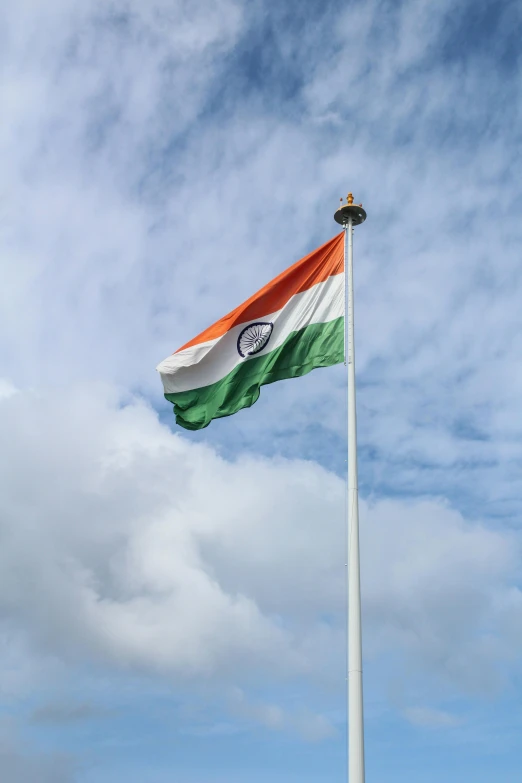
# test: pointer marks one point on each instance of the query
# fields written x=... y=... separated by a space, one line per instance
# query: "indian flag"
x=288 y=328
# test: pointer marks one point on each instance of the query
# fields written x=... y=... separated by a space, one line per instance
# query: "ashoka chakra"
x=253 y=338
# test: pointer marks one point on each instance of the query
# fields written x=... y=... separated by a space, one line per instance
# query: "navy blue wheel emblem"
x=254 y=338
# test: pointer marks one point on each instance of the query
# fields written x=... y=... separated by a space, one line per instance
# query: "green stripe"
x=318 y=345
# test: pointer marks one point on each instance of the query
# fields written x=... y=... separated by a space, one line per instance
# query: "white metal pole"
x=354 y=681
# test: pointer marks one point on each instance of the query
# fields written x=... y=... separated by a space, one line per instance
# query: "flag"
x=288 y=328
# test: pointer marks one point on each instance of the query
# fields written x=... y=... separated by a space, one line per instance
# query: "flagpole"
x=350 y=215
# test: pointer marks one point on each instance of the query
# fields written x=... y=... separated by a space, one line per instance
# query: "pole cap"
x=355 y=211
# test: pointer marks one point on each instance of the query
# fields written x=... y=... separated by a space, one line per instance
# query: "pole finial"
x=350 y=210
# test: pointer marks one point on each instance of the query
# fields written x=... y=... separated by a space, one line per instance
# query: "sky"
x=172 y=604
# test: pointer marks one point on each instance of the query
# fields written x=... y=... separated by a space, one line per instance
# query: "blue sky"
x=172 y=603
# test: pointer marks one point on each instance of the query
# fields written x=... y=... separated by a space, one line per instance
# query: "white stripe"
x=209 y=362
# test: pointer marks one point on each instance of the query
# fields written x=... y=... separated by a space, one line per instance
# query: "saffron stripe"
x=314 y=268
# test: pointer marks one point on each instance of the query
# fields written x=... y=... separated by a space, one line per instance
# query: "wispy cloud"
x=308 y=725
x=431 y=718
x=53 y=714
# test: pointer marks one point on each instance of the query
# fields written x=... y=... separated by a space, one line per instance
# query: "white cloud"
x=6 y=389
x=125 y=544
x=312 y=727
x=431 y=718
x=95 y=97
x=438 y=588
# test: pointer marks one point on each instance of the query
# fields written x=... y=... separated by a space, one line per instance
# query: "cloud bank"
x=124 y=543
